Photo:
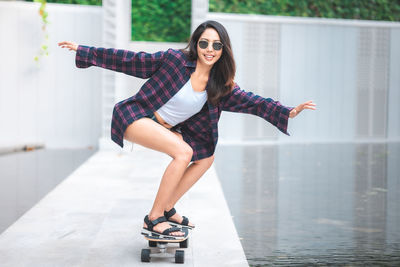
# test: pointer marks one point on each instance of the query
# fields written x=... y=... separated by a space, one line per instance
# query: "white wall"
x=321 y=66
x=394 y=84
x=51 y=102
x=348 y=67
x=289 y=59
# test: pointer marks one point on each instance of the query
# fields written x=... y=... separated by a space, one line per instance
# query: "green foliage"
x=153 y=20
x=81 y=2
x=161 y=20
x=43 y=14
x=346 y=9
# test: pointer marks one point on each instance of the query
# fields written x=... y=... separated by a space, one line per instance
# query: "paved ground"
x=95 y=216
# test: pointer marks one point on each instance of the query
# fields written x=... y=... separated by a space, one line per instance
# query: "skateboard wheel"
x=146 y=255
x=152 y=244
x=179 y=256
x=184 y=243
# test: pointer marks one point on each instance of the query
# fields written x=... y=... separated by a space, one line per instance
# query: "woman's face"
x=208 y=56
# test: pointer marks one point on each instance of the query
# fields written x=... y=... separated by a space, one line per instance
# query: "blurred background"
x=328 y=193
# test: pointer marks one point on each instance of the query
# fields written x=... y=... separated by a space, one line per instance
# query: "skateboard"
x=160 y=242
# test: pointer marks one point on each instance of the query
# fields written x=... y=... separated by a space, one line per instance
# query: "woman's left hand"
x=69 y=45
x=306 y=105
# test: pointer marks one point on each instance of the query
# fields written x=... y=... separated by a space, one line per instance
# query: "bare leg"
x=154 y=136
x=192 y=174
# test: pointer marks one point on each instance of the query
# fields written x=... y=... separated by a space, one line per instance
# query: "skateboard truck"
x=162 y=253
x=160 y=243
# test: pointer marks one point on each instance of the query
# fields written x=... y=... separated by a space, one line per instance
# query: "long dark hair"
x=220 y=82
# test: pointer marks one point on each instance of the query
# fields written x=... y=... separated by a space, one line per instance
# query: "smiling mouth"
x=209 y=57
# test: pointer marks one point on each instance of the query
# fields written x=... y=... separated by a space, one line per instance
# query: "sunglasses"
x=216 y=45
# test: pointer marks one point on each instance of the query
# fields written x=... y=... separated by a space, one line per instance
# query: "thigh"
x=207 y=162
x=179 y=135
x=150 y=134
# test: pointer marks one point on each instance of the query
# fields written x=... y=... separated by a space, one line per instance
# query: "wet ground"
x=26 y=177
x=314 y=205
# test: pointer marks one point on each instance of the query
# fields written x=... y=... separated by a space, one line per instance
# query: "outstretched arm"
x=140 y=64
x=247 y=102
x=272 y=111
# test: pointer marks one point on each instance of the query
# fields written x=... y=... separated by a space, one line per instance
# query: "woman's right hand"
x=70 y=45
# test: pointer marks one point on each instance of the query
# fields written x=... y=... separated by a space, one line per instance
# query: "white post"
x=199 y=12
x=116 y=34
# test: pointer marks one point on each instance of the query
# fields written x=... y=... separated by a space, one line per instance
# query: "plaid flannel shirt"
x=168 y=71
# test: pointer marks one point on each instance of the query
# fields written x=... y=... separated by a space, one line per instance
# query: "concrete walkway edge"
x=94 y=218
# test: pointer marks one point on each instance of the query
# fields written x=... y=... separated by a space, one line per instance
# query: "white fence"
x=50 y=102
x=349 y=68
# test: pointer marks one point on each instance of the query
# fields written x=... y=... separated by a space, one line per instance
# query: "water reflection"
x=314 y=204
x=27 y=177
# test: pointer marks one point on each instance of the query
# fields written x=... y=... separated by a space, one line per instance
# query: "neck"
x=202 y=69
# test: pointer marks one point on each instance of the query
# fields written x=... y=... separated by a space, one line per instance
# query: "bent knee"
x=207 y=162
x=184 y=153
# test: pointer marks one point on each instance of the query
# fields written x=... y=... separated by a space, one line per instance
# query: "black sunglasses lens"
x=217 y=46
x=203 y=44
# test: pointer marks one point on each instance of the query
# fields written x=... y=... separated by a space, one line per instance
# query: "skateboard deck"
x=166 y=239
x=180 y=225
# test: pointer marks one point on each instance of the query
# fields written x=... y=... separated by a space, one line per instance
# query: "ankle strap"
x=170 y=213
x=151 y=224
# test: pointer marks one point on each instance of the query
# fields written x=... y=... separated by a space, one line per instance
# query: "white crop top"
x=183 y=105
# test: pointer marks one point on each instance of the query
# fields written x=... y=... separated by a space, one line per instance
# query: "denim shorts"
x=153 y=117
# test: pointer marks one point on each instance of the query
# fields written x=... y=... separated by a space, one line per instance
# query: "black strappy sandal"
x=149 y=231
x=184 y=223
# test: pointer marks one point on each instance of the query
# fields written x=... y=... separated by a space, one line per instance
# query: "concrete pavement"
x=94 y=218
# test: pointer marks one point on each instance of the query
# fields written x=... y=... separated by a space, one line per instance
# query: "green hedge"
x=346 y=9
x=81 y=2
x=169 y=21
x=161 y=20
x=153 y=20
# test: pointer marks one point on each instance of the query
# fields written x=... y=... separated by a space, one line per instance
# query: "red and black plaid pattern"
x=266 y=108
x=168 y=72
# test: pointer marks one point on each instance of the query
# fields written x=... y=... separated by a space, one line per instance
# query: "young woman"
x=177 y=110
